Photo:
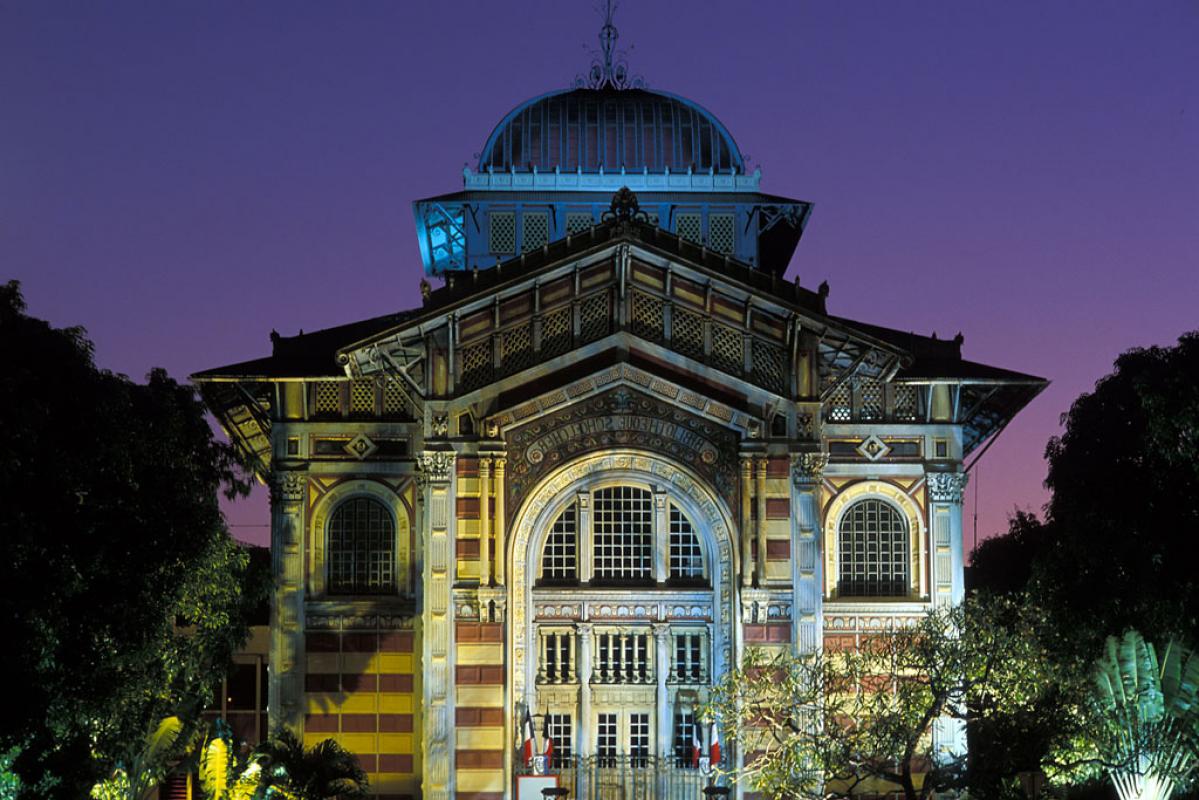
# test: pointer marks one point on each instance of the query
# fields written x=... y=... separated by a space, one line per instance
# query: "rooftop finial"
x=608 y=69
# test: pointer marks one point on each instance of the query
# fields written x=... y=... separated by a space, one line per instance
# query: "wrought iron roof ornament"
x=608 y=67
x=624 y=208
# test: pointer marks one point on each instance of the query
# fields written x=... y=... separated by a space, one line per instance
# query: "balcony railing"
x=629 y=777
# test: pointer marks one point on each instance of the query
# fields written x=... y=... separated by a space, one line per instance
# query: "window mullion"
x=661 y=538
x=584 y=537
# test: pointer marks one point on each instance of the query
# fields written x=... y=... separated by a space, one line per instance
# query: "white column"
x=807 y=470
x=662 y=659
x=945 y=490
x=661 y=538
x=285 y=693
x=582 y=535
x=583 y=734
x=437 y=743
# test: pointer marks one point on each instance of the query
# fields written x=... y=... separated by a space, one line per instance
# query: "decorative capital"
x=288 y=487
x=661 y=631
x=484 y=467
x=946 y=487
x=583 y=629
x=435 y=466
x=499 y=466
x=807 y=469
x=440 y=425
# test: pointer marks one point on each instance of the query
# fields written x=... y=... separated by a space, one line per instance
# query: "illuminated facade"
x=611 y=452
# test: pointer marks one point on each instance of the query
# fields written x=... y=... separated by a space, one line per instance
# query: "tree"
x=123 y=591
x=322 y=772
x=1149 y=712
x=136 y=779
x=837 y=724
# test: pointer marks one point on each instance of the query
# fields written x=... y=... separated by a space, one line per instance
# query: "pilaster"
x=286 y=684
x=945 y=491
x=436 y=476
x=807 y=471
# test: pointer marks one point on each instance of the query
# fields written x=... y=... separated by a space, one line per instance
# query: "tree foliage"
x=325 y=771
x=123 y=591
x=836 y=724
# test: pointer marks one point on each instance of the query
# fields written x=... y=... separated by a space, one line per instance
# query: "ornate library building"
x=611 y=450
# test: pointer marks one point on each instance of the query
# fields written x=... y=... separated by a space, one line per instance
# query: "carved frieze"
x=807 y=469
x=621 y=418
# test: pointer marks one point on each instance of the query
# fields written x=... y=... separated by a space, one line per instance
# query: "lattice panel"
x=327 y=400
x=476 y=365
x=769 y=366
x=728 y=351
x=594 y=318
x=517 y=350
x=647 y=317
x=362 y=398
x=501 y=237
x=535 y=233
x=577 y=222
x=870 y=400
x=687 y=333
x=906 y=408
x=689 y=227
x=840 y=405
x=721 y=236
x=393 y=398
x=555 y=332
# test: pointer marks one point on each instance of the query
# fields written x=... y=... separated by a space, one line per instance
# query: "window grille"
x=686 y=558
x=556 y=657
x=605 y=739
x=561 y=731
x=476 y=365
x=689 y=227
x=623 y=658
x=769 y=366
x=327 y=400
x=840 y=406
x=638 y=739
x=559 y=559
x=873 y=551
x=501 y=239
x=647 y=321
x=721 y=234
x=393 y=398
x=905 y=402
x=623 y=534
x=688 y=657
x=687 y=333
x=361 y=548
x=727 y=352
x=684 y=728
x=535 y=231
x=516 y=353
x=578 y=221
x=593 y=317
x=362 y=397
x=555 y=332
x=870 y=399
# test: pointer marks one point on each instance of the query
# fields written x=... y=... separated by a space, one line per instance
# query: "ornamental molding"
x=435 y=466
x=288 y=487
x=807 y=469
x=947 y=487
x=620 y=418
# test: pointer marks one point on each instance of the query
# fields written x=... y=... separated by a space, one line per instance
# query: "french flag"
x=530 y=743
x=714 y=748
x=696 y=744
x=549 y=742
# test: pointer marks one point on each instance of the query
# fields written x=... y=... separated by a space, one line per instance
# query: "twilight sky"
x=179 y=178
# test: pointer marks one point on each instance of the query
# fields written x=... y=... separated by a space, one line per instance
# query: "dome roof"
x=594 y=129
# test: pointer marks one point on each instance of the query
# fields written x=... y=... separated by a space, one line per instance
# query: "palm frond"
x=163 y=739
x=214 y=768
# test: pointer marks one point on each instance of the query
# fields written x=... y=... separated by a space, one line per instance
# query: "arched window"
x=361 y=554
x=623 y=535
x=686 y=558
x=559 y=560
x=874 y=551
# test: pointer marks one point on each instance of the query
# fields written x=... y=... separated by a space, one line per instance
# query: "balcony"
x=627 y=777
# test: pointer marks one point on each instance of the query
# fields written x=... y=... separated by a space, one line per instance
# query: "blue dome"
x=589 y=130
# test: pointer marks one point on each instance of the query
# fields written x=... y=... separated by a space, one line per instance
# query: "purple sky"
x=182 y=177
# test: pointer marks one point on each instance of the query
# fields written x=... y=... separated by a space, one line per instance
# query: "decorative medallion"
x=360 y=446
x=873 y=448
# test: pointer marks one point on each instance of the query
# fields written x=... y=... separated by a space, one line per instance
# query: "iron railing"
x=629 y=777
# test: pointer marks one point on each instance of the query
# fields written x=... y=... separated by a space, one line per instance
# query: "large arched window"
x=361 y=554
x=622 y=528
x=874 y=551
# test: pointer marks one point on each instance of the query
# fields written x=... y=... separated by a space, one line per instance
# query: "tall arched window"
x=874 y=551
x=361 y=555
x=686 y=558
x=622 y=529
x=623 y=536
